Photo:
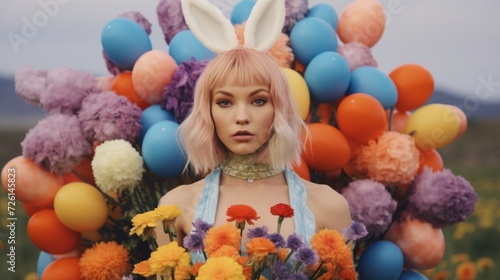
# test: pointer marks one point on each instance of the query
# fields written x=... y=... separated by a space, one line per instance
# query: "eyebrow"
x=230 y=94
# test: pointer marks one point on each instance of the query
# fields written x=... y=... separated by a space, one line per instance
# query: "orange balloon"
x=399 y=120
x=463 y=121
x=66 y=268
x=362 y=21
x=361 y=118
x=50 y=235
x=302 y=170
x=422 y=245
x=31 y=183
x=414 y=84
x=430 y=158
x=122 y=85
x=326 y=148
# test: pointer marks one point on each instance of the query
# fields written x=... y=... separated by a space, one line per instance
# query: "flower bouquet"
x=266 y=255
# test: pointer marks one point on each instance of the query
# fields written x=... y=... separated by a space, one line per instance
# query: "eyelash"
x=262 y=101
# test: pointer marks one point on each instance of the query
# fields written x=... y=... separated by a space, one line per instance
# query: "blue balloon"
x=184 y=46
x=310 y=37
x=241 y=11
x=160 y=150
x=370 y=80
x=381 y=260
x=327 y=77
x=44 y=259
x=325 y=12
x=411 y=275
x=151 y=115
x=124 y=41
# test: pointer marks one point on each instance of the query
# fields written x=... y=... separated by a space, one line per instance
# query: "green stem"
x=390 y=119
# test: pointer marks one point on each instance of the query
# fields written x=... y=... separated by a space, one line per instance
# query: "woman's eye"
x=259 y=102
x=223 y=103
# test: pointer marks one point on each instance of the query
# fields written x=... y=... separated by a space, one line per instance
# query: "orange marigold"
x=241 y=213
x=222 y=268
x=104 y=260
x=441 y=275
x=330 y=245
x=247 y=269
x=484 y=263
x=225 y=251
x=260 y=247
x=143 y=268
x=226 y=234
x=466 y=271
x=168 y=257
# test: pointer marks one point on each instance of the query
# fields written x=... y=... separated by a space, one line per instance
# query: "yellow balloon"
x=433 y=126
x=300 y=91
x=80 y=207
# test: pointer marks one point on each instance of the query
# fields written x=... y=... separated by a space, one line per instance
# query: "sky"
x=456 y=40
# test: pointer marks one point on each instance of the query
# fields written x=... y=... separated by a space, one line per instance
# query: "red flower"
x=282 y=210
x=241 y=213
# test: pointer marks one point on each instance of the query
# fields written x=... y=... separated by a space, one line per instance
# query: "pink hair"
x=248 y=67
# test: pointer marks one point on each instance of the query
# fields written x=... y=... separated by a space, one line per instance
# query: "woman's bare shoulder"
x=322 y=192
x=183 y=193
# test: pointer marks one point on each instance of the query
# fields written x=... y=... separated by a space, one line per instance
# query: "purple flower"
x=178 y=94
x=281 y=271
x=140 y=19
x=300 y=276
x=201 y=227
x=66 y=89
x=107 y=116
x=277 y=239
x=30 y=83
x=257 y=232
x=193 y=242
x=170 y=18
x=307 y=256
x=355 y=232
x=441 y=198
x=56 y=143
x=357 y=55
x=294 y=242
x=295 y=10
x=370 y=204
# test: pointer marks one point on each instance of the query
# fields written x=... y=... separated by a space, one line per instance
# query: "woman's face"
x=242 y=117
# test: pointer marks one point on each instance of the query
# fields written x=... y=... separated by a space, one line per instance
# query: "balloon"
x=380 y=260
x=370 y=80
x=81 y=207
x=152 y=71
x=81 y=173
x=326 y=148
x=361 y=118
x=160 y=150
x=414 y=84
x=299 y=90
x=433 y=126
x=67 y=269
x=32 y=184
x=327 y=77
x=30 y=209
x=241 y=11
x=44 y=259
x=422 y=245
x=185 y=45
x=123 y=85
x=93 y=236
x=77 y=252
x=50 y=235
x=302 y=169
x=463 y=120
x=362 y=21
x=411 y=275
x=152 y=115
x=325 y=12
x=430 y=158
x=399 y=120
x=310 y=37
x=124 y=41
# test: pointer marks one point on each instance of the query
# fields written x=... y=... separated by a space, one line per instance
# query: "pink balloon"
x=422 y=245
x=463 y=120
x=362 y=21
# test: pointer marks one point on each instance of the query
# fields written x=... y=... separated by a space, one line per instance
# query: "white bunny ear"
x=209 y=25
x=264 y=24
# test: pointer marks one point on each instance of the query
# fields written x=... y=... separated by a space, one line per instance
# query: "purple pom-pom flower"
x=201 y=227
x=193 y=242
x=107 y=116
x=307 y=256
x=441 y=198
x=277 y=239
x=357 y=55
x=294 y=242
x=139 y=18
x=258 y=232
x=170 y=18
x=282 y=271
x=56 y=143
x=370 y=204
x=29 y=84
x=355 y=232
x=295 y=10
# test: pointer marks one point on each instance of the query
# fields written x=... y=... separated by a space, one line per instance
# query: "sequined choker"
x=243 y=167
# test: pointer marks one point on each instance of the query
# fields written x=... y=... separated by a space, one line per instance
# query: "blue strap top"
x=303 y=218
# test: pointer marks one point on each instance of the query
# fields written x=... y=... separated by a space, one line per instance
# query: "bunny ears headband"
x=216 y=32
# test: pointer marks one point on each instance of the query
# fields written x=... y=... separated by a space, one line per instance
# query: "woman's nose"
x=242 y=116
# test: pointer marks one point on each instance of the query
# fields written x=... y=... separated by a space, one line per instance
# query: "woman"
x=244 y=129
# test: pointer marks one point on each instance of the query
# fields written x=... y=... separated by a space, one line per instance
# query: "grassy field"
x=472 y=246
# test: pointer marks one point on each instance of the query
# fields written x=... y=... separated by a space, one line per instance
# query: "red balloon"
x=326 y=148
x=66 y=268
x=361 y=118
x=50 y=235
x=414 y=84
x=123 y=85
x=30 y=209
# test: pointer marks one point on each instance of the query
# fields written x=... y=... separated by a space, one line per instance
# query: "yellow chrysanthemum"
x=141 y=222
x=226 y=234
x=168 y=212
x=225 y=251
x=466 y=271
x=143 y=268
x=105 y=261
x=167 y=257
x=330 y=245
x=222 y=268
